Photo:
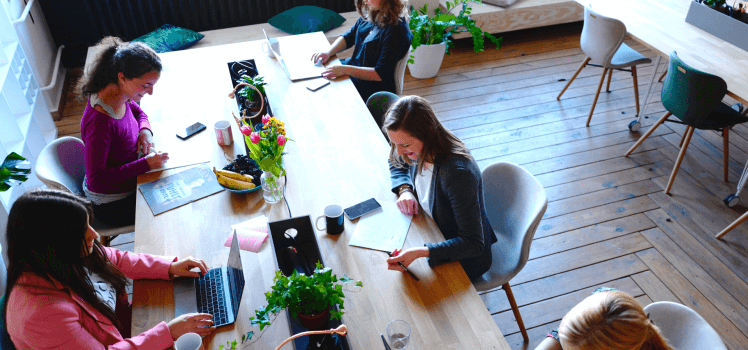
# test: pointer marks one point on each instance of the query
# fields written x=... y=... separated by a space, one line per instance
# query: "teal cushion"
x=306 y=19
x=169 y=38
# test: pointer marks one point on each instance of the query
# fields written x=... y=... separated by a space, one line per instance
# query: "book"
x=179 y=189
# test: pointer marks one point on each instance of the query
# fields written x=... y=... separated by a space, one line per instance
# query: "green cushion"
x=169 y=38
x=306 y=19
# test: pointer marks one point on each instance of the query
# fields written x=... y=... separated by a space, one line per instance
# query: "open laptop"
x=297 y=56
x=218 y=292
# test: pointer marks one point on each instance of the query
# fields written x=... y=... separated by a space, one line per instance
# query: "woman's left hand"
x=145 y=141
x=183 y=268
x=334 y=72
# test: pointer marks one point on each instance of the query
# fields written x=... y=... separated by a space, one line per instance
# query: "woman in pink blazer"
x=66 y=291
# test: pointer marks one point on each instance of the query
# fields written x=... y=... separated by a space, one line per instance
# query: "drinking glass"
x=398 y=333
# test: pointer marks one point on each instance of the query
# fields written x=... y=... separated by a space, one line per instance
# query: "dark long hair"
x=133 y=59
x=389 y=12
x=414 y=115
x=46 y=235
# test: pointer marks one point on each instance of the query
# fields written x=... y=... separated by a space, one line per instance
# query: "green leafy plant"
x=13 y=171
x=438 y=29
x=302 y=294
x=713 y=3
x=229 y=346
x=249 y=93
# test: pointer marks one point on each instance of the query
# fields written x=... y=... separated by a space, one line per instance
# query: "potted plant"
x=14 y=170
x=265 y=143
x=252 y=95
x=431 y=36
x=718 y=5
x=310 y=298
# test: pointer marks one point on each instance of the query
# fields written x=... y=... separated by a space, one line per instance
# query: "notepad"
x=385 y=230
x=251 y=234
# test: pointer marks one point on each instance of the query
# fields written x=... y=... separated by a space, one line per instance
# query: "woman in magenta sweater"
x=67 y=291
x=114 y=129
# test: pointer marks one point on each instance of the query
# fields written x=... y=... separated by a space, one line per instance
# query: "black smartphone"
x=361 y=209
x=191 y=130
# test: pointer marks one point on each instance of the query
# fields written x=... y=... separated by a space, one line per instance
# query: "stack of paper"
x=385 y=230
x=251 y=234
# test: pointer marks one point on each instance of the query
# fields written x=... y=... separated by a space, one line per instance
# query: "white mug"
x=223 y=132
x=188 y=341
x=266 y=49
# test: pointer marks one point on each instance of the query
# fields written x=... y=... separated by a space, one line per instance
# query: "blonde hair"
x=389 y=12
x=610 y=320
x=414 y=115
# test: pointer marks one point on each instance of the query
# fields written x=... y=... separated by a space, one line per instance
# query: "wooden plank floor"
x=608 y=221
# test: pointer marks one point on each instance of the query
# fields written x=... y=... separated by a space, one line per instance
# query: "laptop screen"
x=236 y=274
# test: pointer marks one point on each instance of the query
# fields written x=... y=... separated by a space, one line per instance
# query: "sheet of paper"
x=385 y=230
x=249 y=240
x=181 y=152
x=259 y=224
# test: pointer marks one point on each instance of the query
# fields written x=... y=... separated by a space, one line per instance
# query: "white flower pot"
x=428 y=59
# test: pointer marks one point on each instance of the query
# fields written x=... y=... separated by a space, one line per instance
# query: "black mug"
x=334 y=221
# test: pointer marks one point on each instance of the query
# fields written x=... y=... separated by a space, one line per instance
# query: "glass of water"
x=398 y=333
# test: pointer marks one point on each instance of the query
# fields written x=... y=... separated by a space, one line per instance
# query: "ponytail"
x=655 y=340
x=113 y=56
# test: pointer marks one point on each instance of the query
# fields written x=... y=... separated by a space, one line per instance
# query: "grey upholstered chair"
x=515 y=202
x=682 y=327
x=61 y=166
x=378 y=104
x=602 y=42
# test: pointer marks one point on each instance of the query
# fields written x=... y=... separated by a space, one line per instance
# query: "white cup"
x=188 y=341
x=223 y=133
x=266 y=49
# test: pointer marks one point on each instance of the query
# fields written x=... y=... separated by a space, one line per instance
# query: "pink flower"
x=265 y=119
x=255 y=137
x=281 y=140
x=246 y=130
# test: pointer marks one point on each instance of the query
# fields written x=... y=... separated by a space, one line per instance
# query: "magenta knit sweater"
x=111 y=150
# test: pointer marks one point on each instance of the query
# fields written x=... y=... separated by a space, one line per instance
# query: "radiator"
x=129 y=19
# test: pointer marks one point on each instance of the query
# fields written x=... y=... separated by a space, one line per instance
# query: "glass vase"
x=272 y=187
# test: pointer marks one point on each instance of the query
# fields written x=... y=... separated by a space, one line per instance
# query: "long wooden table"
x=338 y=156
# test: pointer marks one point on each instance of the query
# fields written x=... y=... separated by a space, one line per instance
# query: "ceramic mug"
x=188 y=341
x=266 y=49
x=334 y=221
x=223 y=132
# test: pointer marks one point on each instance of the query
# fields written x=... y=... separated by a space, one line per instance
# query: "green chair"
x=695 y=98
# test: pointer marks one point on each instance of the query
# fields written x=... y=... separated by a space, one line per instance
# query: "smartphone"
x=191 y=130
x=361 y=209
x=316 y=85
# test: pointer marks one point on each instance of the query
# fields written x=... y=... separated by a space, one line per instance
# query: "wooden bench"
x=523 y=14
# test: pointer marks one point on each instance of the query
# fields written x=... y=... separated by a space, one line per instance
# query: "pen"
x=386 y=346
x=405 y=268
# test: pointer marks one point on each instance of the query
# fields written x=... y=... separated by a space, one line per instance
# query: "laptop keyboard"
x=210 y=298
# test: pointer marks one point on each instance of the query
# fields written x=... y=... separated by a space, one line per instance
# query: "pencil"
x=405 y=268
x=386 y=346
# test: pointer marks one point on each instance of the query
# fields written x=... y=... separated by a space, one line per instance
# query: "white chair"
x=61 y=166
x=400 y=73
x=602 y=42
x=3 y=273
x=682 y=327
x=515 y=202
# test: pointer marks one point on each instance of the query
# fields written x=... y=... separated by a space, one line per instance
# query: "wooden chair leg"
x=636 y=88
x=682 y=138
x=663 y=75
x=597 y=94
x=733 y=225
x=610 y=75
x=726 y=149
x=584 y=64
x=681 y=155
x=515 y=310
x=649 y=132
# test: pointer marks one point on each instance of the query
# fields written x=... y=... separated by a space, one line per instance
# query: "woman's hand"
x=324 y=56
x=145 y=141
x=406 y=257
x=156 y=160
x=184 y=267
x=191 y=323
x=334 y=72
x=407 y=203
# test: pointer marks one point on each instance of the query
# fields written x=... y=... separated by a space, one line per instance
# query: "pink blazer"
x=44 y=314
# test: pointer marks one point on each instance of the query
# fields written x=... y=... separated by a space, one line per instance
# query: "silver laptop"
x=218 y=292
x=297 y=62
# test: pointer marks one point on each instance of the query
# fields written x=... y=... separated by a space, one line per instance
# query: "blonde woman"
x=606 y=320
x=380 y=38
x=433 y=173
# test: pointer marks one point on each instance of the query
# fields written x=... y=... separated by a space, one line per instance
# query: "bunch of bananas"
x=234 y=180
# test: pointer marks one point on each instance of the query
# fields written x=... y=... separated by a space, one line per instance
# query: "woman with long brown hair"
x=380 y=38
x=431 y=169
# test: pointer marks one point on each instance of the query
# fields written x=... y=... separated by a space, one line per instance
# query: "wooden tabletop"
x=661 y=25
x=338 y=156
